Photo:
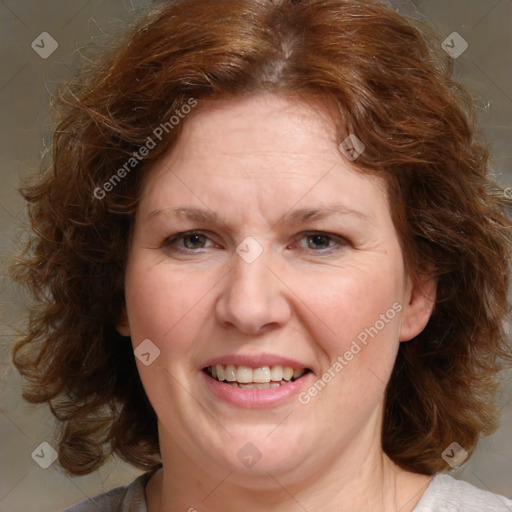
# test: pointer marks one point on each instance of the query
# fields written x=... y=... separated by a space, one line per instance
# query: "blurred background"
x=40 y=46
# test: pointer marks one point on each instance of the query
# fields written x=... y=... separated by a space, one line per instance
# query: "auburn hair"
x=384 y=79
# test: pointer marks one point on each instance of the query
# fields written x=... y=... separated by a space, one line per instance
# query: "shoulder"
x=446 y=494
x=127 y=498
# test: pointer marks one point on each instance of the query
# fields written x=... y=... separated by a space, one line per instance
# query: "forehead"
x=266 y=128
x=268 y=148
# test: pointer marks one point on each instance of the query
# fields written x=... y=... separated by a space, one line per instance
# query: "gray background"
x=26 y=81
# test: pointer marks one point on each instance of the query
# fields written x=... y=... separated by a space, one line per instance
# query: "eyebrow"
x=308 y=214
x=196 y=214
x=292 y=217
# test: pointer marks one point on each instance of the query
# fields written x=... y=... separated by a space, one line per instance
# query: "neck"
x=341 y=484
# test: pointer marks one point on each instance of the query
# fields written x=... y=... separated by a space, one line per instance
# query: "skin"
x=250 y=161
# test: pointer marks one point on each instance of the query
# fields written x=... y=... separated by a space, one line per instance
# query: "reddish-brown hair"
x=384 y=80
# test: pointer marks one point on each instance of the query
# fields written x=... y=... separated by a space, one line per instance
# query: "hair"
x=385 y=79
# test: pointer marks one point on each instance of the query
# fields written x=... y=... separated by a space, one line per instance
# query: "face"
x=260 y=254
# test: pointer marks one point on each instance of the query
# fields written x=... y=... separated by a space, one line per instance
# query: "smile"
x=264 y=377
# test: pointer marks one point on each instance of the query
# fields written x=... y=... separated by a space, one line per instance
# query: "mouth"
x=263 y=377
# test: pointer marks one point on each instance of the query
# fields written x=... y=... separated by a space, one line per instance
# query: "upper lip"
x=254 y=361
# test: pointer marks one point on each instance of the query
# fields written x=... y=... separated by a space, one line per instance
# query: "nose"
x=253 y=299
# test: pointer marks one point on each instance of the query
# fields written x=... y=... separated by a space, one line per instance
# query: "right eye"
x=187 y=242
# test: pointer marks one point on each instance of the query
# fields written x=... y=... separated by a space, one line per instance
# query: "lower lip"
x=252 y=398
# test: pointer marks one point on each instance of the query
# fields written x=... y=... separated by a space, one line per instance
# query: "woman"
x=270 y=265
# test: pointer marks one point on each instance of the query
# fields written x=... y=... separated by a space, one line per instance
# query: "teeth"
x=244 y=374
x=221 y=374
x=298 y=373
x=230 y=373
x=263 y=377
x=277 y=373
x=253 y=385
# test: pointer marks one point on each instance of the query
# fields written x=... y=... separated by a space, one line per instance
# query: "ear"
x=122 y=324
x=418 y=309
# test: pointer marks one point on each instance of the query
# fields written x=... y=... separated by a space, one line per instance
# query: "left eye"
x=319 y=241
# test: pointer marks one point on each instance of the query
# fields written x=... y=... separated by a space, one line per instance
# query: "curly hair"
x=384 y=78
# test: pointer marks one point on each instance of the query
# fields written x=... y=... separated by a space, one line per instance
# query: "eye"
x=194 y=241
x=318 y=241
x=188 y=241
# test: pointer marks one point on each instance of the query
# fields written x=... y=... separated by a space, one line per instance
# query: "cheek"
x=160 y=299
x=355 y=316
x=353 y=298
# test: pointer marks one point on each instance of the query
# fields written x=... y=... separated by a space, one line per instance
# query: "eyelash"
x=170 y=241
x=335 y=239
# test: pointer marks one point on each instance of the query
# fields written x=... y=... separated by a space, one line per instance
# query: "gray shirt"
x=444 y=494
